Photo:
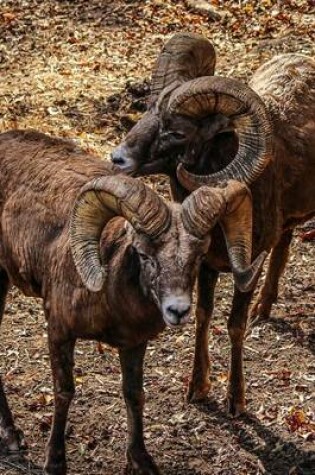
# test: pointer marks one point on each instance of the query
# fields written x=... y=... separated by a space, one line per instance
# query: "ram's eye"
x=145 y=258
x=202 y=256
x=164 y=134
x=177 y=135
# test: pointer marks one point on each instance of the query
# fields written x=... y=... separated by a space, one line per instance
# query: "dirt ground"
x=81 y=69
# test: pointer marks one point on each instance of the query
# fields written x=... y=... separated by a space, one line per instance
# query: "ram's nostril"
x=117 y=158
x=179 y=311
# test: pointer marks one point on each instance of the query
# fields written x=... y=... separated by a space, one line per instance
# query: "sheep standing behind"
x=203 y=129
x=118 y=281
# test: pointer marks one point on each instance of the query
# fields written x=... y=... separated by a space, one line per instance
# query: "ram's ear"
x=134 y=266
x=213 y=125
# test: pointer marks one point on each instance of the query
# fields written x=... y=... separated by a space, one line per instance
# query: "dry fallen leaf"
x=81 y=70
x=295 y=419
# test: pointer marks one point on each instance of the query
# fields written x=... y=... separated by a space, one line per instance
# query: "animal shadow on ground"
x=307 y=339
x=278 y=456
x=19 y=463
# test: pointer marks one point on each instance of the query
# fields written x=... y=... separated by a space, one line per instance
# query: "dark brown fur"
x=40 y=178
x=283 y=196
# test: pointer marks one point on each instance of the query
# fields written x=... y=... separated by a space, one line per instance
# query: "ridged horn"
x=202 y=209
x=211 y=95
x=237 y=225
x=232 y=208
x=98 y=202
x=185 y=56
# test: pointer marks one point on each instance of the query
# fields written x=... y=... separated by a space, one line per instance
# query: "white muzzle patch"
x=176 y=310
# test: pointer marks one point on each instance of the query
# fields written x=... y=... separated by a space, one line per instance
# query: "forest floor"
x=81 y=69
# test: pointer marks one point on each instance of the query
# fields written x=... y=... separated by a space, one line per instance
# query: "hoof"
x=142 y=471
x=260 y=317
x=259 y=314
x=198 y=392
x=261 y=309
x=12 y=441
x=141 y=464
x=55 y=468
x=234 y=408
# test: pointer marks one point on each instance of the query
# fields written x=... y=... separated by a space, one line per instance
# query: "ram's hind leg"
x=9 y=437
x=199 y=385
x=268 y=294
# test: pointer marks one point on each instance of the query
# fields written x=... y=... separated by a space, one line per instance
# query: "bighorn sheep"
x=117 y=281
x=262 y=135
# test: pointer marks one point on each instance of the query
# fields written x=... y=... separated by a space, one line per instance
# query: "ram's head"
x=212 y=125
x=154 y=144
x=165 y=242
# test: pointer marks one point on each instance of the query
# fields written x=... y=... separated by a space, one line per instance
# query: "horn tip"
x=95 y=282
x=183 y=176
x=246 y=280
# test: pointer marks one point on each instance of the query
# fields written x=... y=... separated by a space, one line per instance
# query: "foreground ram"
x=204 y=129
x=118 y=281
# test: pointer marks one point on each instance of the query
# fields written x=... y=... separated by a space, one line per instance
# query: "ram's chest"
x=76 y=311
x=95 y=317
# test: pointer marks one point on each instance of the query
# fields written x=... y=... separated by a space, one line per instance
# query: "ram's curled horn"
x=185 y=56
x=231 y=206
x=202 y=209
x=98 y=202
x=211 y=95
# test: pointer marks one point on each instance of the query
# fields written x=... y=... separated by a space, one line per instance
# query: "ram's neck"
x=134 y=312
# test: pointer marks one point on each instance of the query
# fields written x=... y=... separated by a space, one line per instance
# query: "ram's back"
x=50 y=169
x=40 y=177
x=286 y=84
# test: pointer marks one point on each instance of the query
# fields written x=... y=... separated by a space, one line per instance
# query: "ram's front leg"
x=139 y=461
x=236 y=328
x=199 y=385
x=61 y=356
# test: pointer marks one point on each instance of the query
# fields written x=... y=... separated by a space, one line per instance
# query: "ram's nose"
x=122 y=159
x=176 y=310
x=117 y=156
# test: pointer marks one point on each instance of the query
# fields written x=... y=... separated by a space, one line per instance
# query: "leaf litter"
x=81 y=70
